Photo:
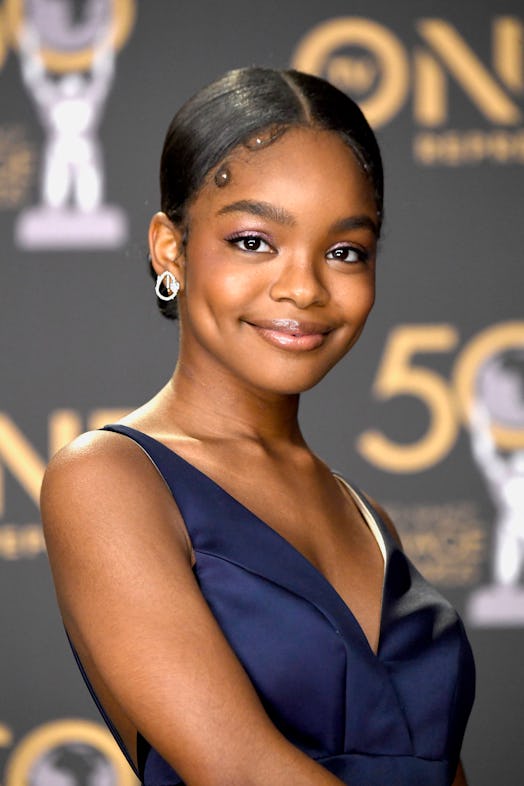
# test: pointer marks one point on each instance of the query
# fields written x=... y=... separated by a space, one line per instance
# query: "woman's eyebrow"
x=355 y=222
x=282 y=216
x=262 y=209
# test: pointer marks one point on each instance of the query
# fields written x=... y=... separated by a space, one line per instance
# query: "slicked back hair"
x=238 y=106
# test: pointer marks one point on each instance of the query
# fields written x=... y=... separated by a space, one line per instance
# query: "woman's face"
x=279 y=270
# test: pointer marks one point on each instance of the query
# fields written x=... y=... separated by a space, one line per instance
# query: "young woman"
x=243 y=615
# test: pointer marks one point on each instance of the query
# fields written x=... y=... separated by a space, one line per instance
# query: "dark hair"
x=236 y=107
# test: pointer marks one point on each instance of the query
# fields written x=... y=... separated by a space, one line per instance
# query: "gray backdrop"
x=428 y=412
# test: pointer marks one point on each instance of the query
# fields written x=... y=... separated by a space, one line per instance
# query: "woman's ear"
x=166 y=246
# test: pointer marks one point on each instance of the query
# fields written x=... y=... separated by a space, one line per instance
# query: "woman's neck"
x=218 y=407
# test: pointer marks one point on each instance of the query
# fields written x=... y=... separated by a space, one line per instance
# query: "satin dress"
x=394 y=718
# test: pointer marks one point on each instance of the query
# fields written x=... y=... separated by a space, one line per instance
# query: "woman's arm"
x=133 y=609
x=460 y=777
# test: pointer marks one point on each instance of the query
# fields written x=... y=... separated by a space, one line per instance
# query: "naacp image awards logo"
x=67 y=53
x=68 y=752
x=497 y=441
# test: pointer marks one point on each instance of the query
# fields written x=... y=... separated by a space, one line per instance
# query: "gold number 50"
x=446 y=403
x=397 y=375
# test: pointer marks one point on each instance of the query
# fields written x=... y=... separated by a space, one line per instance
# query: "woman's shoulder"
x=99 y=476
x=92 y=457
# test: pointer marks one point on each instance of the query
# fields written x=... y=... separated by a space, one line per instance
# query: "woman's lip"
x=292 y=327
x=291 y=334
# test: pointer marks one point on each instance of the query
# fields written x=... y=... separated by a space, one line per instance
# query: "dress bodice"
x=396 y=717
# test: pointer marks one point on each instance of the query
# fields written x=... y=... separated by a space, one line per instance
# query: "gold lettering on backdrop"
x=6 y=736
x=20 y=457
x=369 y=62
x=430 y=81
x=454 y=148
x=64 y=426
x=462 y=63
x=39 y=743
x=21 y=541
x=101 y=417
x=449 y=402
x=508 y=52
x=447 y=542
x=318 y=53
x=17 y=166
x=398 y=375
x=360 y=73
x=3 y=37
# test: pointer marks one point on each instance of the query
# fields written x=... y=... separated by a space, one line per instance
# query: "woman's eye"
x=348 y=254
x=252 y=243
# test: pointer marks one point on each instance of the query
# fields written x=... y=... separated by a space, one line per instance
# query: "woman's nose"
x=299 y=282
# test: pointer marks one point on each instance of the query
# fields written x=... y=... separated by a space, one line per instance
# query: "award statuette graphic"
x=72 y=765
x=68 y=752
x=499 y=403
x=69 y=101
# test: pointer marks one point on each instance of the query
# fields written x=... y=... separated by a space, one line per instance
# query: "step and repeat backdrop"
x=427 y=413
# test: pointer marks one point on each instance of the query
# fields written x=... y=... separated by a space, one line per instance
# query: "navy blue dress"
x=395 y=718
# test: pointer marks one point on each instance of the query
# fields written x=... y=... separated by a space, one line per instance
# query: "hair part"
x=254 y=107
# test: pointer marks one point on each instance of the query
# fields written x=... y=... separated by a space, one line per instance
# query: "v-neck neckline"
x=361 y=503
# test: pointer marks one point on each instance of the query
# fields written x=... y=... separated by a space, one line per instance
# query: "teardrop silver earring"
x=170 y=284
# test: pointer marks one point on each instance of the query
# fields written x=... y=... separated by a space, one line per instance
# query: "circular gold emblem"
x=361 y=57
x=54 y=748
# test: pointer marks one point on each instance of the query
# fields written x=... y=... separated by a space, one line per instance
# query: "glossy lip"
x=292 y=334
